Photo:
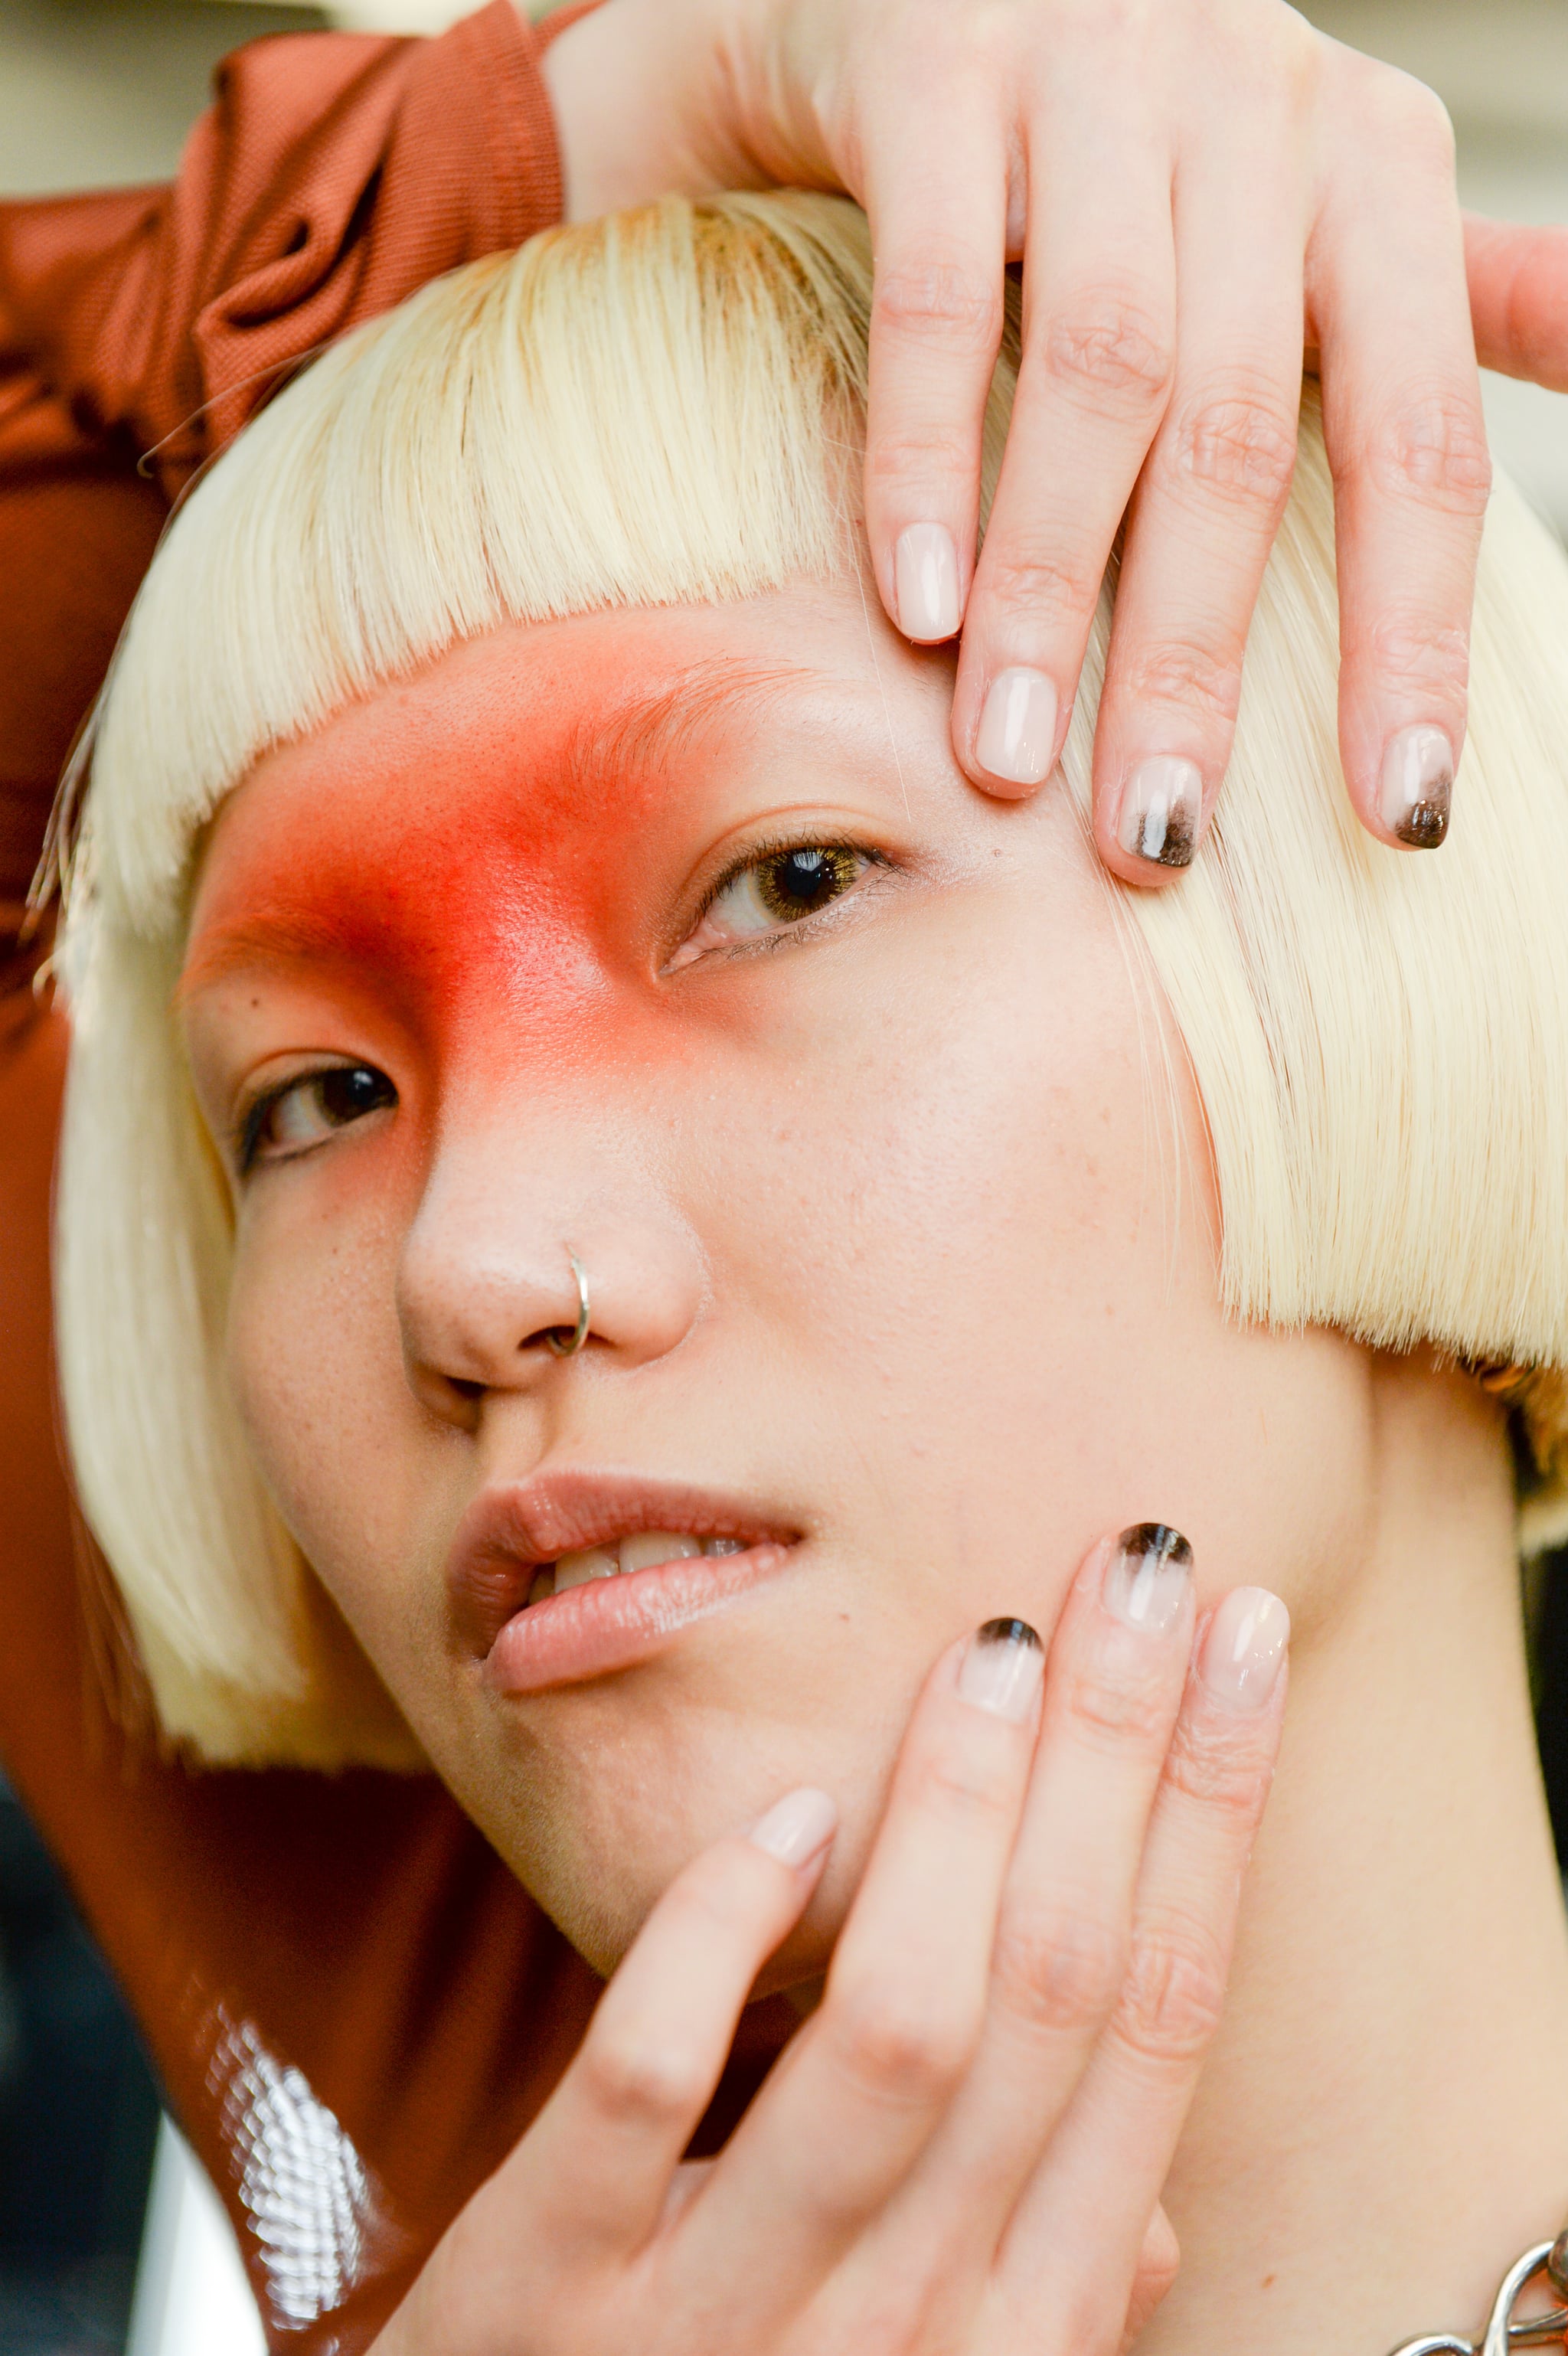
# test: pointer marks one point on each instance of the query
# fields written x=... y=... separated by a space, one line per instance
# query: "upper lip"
x=514 y=1527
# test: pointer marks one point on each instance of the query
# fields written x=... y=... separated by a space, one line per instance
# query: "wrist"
x=639 y=93
x=686 y=96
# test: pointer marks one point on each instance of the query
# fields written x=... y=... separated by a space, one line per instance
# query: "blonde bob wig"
x=655 y=407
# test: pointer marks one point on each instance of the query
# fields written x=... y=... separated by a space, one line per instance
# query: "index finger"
x=595 y=2168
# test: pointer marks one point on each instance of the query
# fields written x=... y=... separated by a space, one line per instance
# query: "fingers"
x=1407 y=446
x=592 y=2176
x=1113 y=1688
x=1518 y=299
x=837 y=2126
x=1099 y=329
x=938 y=223
x=1083 y=2218
x=1208 y=505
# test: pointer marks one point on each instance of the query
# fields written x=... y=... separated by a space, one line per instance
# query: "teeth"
x=592 y=1562
x=638 y=1552
x=649 y=1546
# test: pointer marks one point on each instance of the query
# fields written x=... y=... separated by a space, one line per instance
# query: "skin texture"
x=1196 y=189
x=899 y=1262
x=834 y=1198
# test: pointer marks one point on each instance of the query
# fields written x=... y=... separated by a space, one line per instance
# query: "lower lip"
x=613 y=1623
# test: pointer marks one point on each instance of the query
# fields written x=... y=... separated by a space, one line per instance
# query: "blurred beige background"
x=95 y=92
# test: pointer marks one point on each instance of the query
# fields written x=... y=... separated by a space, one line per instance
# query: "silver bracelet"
x=1504 y=2332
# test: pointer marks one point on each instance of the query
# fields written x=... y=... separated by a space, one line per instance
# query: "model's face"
x=897 y=1227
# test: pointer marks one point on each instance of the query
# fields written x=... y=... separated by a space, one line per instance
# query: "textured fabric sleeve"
x=139 y=329
x=333 y=174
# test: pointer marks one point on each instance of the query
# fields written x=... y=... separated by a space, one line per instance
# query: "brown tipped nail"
x=1001 y=1670
x=1162 y=809
x=1415 y=791
x=1148 y=1577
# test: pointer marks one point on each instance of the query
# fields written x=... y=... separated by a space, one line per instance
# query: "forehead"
x=521 y=770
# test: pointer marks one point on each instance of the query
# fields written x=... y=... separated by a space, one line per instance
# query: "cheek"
x=315 y=1365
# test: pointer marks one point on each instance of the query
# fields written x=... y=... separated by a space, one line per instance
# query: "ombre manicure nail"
x=1415 y=790
x=925 y=582
x=1148 y=1577
x=1018 y=727
x=1162 y=807
x=1002 y=1669
x=797 y=1827
x=1243 y=1647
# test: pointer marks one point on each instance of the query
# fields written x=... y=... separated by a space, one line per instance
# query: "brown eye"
x=797 y=883
x=309 y=1109
x=775 y=889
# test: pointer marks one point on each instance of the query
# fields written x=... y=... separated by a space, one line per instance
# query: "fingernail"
x=1162 y=807
x=1148 y=1577
x=1001 y=1670
x=1416 y=788
x=1018 y=727
x=1243 y=1648
x=925 y=582
x=797 y=1827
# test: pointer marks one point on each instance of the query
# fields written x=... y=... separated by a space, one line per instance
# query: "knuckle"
x=902 y=2046
x=893 y=459
x=1223 y=1772
x=940 y=302
x=1107 y=347
x=964 y=1780
x=1038 y=585
x=1173 y=1994
x=634 y=2080
x=1059 y=1972
x=1197 y=679
x=1432 y=447
x=1239 y=449
x=1418 y=116
x=1414 y=650
x=1122 y=1708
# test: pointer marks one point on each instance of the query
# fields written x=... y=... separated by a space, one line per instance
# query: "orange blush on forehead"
x=462 y=844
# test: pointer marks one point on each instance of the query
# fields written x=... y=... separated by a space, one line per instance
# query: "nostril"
x=560 y=1340
x=472 y=1392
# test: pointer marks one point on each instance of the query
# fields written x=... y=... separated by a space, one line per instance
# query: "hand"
x=1197 y=188
x=963 y=2147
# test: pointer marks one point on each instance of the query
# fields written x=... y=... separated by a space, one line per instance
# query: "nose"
x=487 y=1285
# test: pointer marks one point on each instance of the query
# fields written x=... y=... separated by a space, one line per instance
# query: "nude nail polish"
x=925 y=582
x=796 y=1827
x=1415 y=790
x=1243 y=1646
x=1162 y=808
x=1018 y=727
x=1001 y=1671
x=1148 y=1577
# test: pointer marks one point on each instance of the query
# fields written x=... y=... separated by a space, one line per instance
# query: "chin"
x=597 y=1833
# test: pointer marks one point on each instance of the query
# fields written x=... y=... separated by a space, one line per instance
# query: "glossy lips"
x=614 y=1607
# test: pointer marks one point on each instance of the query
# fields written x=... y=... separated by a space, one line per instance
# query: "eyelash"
x=248 y=1144
x=759 y=854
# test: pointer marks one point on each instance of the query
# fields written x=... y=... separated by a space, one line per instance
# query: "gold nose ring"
x=579 y=1335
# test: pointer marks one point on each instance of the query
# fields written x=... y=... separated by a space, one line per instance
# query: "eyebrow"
x=639 y=730
x=622 y=740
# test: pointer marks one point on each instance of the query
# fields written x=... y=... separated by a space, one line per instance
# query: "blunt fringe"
x=666 y=407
